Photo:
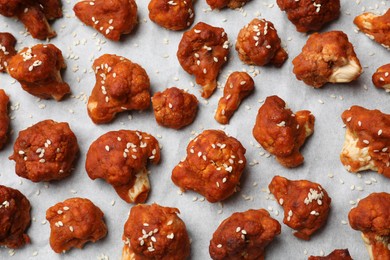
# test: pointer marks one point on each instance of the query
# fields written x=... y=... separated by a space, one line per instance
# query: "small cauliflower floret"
x=337 y=254
x=327 y=57
x=7 y=49
x=381 y=77
x=173 y=15
x=232 y=4
x=376 y=27
x=372 y=218
x=367 y=140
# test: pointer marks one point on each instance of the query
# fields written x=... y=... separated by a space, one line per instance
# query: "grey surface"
x=149 y=46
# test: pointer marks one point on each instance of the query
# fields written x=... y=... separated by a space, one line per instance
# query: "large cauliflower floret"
x=327 y=57
x=281 y=132
x=372 y=218
x=381 y=77
x=367 y=141
x=376 y=27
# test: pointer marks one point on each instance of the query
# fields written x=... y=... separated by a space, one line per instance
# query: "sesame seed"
x=107 y=148
x=219 y=245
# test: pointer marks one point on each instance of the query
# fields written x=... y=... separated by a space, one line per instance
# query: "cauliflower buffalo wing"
x=173 y=15
x=4 y=118
x=337 y=254
x=381 y=77
x=7 y=49
x=232 y=4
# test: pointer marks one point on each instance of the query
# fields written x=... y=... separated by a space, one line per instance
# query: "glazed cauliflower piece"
x=121 y=85
x=381 y=78
x=202 y=52
x=376 y=27
x=306 y=205
x=38 y=70
x=111 y=18
x=173 y=15
x=258 y=44
x=238 y=86
x=155 y=232
x=310 y=15
x=337 y=254
x=120 y=158
x=327 y=57
x=232 y=4
x=7 y=49
x=281 y=132
x=367 y=141
x=4 y=118
x=372 y=218
x=213 y=166
x=244 y=235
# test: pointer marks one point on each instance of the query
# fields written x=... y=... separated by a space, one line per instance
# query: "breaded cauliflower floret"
x=232 y=4
x=202 y=52
x=4 y=118
x=213 y=165
x=376 y=27
x=372 y=218
x=327 y=57
x=7 y=49
x=337 y=254
x=120 y=158
x=310 y=15
x=244 y=235
x=367 y=140
x=381 y=77
x=306 y=204
x=120 y=85
x=281 y=132
x=173 y=15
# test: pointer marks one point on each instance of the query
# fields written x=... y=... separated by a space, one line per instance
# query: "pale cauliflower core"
x=141 y=185
x=346 y=73
x=127 y=253
x=356 y=154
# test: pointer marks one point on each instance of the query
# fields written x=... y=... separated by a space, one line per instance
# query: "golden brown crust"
x=38 y=71
x=371 y=217
x=213 y=165
x=376 y=27
x=155 y=232
x=120 y=158
x=381 y=77
x=4 y=118
x=232 y=4
x=306 y=204
x=34 y=14
x=120 y=85
x=258 y=43
x=281 y=132
x=238 y=86
x=46 y=151
x=327 y=57
x=202 y=52
x=309 y=15
x=110 y=18
x=367 y=140
x=244 y=235
x=173 y=15
x=73 y=223
x=337 y=254
x=174 y=108
x=14 y=218
x=7 y=49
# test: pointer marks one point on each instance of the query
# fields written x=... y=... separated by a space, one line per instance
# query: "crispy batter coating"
x=381 y=77
x=213 y=165
x=34 y=14
x=173 y=15
x=306 y=204
x=174 y=108
x=111 y=18
x=309 y=15
x=258 y=43
x=202 y=52
x=155 y=232
x=120 y=85
x=232 y=4
x=376 y=27
x=244 y=235
x=327 y=57
x=367 y=141
x=372 y=218
x=281 y=132
x=7 y=49
x=73 y=223
x=38 y=71
x=4 y=118
x=14 y=218
x=46 y=151
x=238 y=86
x=337 y=254
x=120 y=158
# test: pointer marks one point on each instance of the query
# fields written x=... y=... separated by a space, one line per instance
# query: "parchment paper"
x=155 y=49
